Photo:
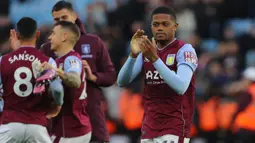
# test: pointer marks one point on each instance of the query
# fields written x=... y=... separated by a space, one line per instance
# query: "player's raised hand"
x=148 y=48
x=14 y=41
x=90 y=76
x=47 y=66
x=134 y=44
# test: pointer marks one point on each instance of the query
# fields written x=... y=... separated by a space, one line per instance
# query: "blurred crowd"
x=221 y=31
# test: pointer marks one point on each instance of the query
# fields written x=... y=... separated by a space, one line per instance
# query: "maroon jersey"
x=73 y=119
x=18 y=78
x=166 y=112
x=92 y=49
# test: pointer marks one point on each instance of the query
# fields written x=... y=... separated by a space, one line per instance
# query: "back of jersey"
x=18 y=78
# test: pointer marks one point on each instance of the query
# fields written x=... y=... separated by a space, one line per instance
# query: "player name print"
x=24 y=57
x=153 y=77
x=190 y=57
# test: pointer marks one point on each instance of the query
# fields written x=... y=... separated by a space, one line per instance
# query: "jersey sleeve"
x=52 y=62
x=131 y=68
x=187 y=56
x=73 y=64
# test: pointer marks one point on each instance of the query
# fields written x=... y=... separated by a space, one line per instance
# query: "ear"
x=64 y=37
x=75 y=16
x=176 y=26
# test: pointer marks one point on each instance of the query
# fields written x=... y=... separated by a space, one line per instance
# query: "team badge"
x=170 y=59
x=85 y=48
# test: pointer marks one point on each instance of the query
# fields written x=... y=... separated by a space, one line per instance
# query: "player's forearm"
x=71 y=79
x=177 y=81
x=57 y=91
x=125 y=73
x=130 y=70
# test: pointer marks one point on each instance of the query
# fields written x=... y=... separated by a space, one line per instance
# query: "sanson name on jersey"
x=24 y=57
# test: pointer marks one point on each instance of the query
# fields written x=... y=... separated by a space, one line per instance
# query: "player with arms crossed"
x=168 y=65
x=72 y=124
x=24 y=113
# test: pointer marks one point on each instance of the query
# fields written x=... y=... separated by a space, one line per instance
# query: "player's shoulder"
x=181 y=43
x=10 y=54
x=92 y=39
x=39 y=53
x=72 y=55
x=75 y=54
x=91 y=36
x=183 y=46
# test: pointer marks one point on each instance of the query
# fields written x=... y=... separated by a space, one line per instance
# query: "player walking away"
x=98 y=67
x=24 y=113
x=72 y=124
x=168 y=65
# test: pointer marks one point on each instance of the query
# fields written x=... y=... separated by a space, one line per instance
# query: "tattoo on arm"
x=72 y=79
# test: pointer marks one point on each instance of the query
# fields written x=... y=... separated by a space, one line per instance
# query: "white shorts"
x=166 y=139
x=81 y=139
x=19 y=132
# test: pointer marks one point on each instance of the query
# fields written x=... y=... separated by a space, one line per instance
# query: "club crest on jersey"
x=170 y=59
x=85 y=48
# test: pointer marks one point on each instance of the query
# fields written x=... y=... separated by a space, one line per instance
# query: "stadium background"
x=221 y=31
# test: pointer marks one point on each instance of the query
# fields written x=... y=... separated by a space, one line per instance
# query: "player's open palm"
x=134 y=44
x=149 y=49
x=14 y=41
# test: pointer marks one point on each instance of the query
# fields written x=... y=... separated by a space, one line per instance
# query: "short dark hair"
x=164 y=10
x=71 y=27
x=26 y=27
x=62 y=5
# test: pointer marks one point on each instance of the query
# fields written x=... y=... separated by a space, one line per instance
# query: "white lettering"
x=149 y=75
x=22 y=57
x=153 y=75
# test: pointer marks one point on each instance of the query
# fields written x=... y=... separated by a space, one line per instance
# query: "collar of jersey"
x=65 y=54
x=25 y=46
x=166 y=45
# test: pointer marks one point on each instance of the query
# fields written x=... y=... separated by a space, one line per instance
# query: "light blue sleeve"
x=73 y=64
x=187 y=55
x=56 y=86
x=57 y=91
x=52 y=62
x=179 y=81
x=129 y=71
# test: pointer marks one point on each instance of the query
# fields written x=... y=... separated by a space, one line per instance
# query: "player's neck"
x=63 y=50
x=162 y=44
x=27 y=43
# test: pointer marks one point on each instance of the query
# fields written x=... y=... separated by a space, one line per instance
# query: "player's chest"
x=168 y=58
x=88 y=52
x=60 y=63
x=152 y=76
